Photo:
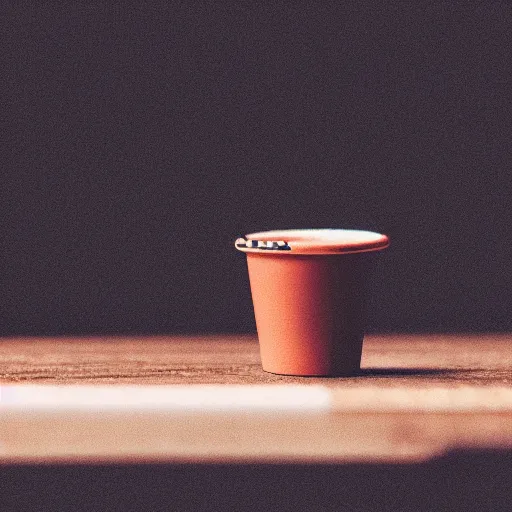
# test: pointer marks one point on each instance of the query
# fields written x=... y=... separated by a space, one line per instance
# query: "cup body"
x=310 y=312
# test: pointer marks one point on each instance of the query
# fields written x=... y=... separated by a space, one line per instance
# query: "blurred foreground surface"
x=207 y=399
x=194 y=423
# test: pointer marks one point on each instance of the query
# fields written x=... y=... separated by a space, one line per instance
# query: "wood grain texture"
x=394 y=368
x=387 y=361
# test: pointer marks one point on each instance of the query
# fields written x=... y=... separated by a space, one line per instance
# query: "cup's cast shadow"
x=408 y=372
x=397 y=373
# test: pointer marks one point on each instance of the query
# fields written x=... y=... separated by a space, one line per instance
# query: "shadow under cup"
x=309 y=309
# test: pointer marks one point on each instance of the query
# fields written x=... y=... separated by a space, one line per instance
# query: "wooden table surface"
x=416 y=398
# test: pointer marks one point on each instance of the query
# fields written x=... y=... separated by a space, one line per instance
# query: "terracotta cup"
x=308 y=293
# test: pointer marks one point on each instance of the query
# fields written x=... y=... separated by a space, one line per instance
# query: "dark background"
x=140 y=140
x=459 y=481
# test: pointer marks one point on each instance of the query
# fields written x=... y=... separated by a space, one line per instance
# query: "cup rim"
x=312 y=241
